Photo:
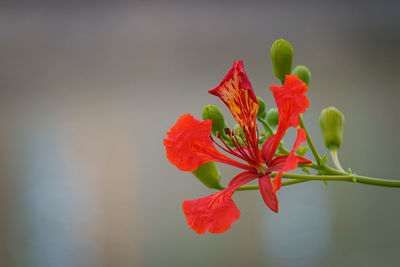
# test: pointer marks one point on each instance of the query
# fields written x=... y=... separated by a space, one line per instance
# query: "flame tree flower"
x=189 y=144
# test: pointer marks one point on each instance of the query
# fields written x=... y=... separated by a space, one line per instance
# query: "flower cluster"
x=190 y=143
x=196 y=145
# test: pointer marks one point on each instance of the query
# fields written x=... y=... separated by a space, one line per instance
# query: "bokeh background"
x=89 y=89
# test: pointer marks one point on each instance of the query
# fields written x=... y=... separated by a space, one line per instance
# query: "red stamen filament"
x=240 y=149
x=227 y=148
x=252 y=143
x=250 y=157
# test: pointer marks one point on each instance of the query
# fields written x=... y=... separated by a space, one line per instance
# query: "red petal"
x=188 y=145
x=242 y=178
x=266 y=149
x=291 y=161
x=215 y=213
x=216 y=220
x=237 y=93
x=278 y=162
x=291 y=101
x=267 y=192
x=244 y=150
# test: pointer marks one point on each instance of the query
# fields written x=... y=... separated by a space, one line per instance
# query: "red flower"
x=189 y=144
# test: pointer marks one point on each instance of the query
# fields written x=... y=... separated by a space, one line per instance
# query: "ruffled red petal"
x=188 y=145
x=267 y=192
x=217 y=212
x=291 y=161
x=237 y=93
x=291 y=101
x=202 y=216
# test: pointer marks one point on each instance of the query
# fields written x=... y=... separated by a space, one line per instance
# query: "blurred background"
x=89 y=89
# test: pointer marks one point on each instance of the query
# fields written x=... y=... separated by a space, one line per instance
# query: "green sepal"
x=209 y=174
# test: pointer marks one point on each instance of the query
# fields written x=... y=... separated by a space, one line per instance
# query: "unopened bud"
x=213 y=113
x=209 y=174
x=282 y=59
x=331 y=121
x=273 y=117
x=303 y=73
x=261 y=110
x=301 y=150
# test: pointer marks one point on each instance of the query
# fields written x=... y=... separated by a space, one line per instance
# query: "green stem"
x=336 y=161
x=327 y=170
x=323 y=169
x=310 y=142
x=348 y=178
x=312 y=165
x=283 y=150
x=266 y=126
x=256 y=187
x=325 y=173
x=299 y=178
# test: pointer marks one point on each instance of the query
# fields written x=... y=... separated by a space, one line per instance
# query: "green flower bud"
x=301 y=150
x=273 y=117
x=214 y=114
x=261 y=111
x=331 y=121
x=209 y=174
x=282 y=59
x=303 y=73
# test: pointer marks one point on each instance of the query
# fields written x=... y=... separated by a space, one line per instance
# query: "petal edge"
x=215 y=213
x=188 y=145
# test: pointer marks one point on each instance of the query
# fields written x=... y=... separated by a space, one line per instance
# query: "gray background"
x=88 y=90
